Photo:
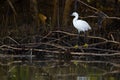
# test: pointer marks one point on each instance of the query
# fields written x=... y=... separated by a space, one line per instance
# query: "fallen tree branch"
x=3 y=47
x=112 y=72
x=104 y=62
x=10 y=63
x=95 y=54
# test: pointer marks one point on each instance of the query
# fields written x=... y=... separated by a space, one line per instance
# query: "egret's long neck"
x=76 y=17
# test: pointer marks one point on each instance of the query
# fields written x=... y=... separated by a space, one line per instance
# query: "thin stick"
x=88 y=5
x=11 y=5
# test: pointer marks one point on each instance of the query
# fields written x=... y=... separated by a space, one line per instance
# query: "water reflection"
x=82 y=78
x=90 y=78
x=58 y=71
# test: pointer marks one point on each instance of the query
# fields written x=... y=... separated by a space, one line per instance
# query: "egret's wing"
x=80 y=25
x=84 y=25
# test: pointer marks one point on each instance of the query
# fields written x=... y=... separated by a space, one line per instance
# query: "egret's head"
x=74 y=14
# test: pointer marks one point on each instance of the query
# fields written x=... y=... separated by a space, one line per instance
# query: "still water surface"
x=59 y=71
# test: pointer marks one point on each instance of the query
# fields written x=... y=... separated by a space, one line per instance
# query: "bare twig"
x=112 y=37
x=88 y=5
x=11 y=5
x=13 y=40
x=117 y=18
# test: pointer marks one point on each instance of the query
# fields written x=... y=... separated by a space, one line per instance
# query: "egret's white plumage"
x=80 y=25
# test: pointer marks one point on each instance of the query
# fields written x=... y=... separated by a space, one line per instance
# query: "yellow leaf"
x=85 y=45
x=76 y=46
x=42 y=17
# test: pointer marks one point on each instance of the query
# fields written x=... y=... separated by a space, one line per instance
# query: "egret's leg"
x=85 y=40
x=78 y=38
x=85 y=37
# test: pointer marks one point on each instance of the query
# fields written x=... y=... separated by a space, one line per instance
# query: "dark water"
x=60 y=71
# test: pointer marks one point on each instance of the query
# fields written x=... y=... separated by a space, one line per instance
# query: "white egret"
x=80 y=25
